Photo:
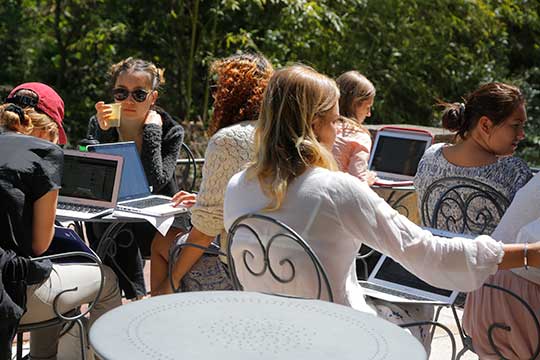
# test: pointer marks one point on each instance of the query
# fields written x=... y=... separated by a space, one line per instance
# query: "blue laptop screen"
x=133 y=183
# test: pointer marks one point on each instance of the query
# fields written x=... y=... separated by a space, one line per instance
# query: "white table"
x=241 y=325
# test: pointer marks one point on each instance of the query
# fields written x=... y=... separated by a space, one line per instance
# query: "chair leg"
x=82 y=338
x=19 y=345
x=436 y=319
x=465 y=339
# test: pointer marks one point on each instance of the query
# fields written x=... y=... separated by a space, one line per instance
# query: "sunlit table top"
x=245 y=325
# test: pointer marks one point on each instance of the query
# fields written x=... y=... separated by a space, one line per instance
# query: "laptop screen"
x=393 y=272
x=397 y=155
x=88 y=178
x=133 y=183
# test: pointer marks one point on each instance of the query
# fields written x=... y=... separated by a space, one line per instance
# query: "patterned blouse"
x=507 y=176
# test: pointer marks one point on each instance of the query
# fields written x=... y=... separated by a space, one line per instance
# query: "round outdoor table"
x=240 y=325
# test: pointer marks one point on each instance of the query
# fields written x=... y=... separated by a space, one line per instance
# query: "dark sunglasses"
x=121 y=94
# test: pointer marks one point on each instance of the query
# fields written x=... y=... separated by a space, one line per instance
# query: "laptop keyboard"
x=397 y=293
x=81 y=208
x=146 y=203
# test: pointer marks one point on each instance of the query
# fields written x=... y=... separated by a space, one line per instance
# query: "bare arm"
x=514 y=255
x=43 y=224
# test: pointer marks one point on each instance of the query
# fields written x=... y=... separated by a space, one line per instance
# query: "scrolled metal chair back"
x=264 y=251
x=462 y=205
x=187 y=176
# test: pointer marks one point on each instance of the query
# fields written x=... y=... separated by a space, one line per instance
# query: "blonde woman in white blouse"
x=293 y=178
x=241 y=80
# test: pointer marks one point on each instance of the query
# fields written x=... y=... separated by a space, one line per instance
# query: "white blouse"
x=336 y=212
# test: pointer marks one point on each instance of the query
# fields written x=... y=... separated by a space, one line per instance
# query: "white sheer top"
x=336 y=212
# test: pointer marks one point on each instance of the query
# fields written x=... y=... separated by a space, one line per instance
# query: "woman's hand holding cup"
x=108 y=115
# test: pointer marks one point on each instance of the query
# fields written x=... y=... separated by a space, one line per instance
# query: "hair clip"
x=17 y=110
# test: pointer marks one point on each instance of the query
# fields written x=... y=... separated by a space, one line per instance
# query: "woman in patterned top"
x=241 y=81
x=353 y=141
x=489 y=124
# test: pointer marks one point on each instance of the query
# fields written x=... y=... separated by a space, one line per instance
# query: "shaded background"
x=414 y=51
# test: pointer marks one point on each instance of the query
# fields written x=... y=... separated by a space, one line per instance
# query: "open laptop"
x=135 y=195
x=396 y=153
x=90 y=185
x=392 y=282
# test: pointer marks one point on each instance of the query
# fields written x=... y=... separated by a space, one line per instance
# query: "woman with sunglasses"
x=158 y=137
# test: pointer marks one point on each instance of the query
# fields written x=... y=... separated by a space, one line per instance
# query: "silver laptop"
x=396 y=153
x=135 y=195
x=392 y=282
x=90 y=185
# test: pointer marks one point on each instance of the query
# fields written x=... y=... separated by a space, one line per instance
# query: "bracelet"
x=525 y=260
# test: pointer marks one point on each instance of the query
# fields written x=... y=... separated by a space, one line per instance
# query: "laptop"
x=392 y=282
x=90 y=185
x=396 y=153
x=135 y=195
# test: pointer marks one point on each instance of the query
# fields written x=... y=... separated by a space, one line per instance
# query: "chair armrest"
x=505 y=327
x=92 y=257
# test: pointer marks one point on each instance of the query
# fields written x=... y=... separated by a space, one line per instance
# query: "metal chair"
x=253 y=251
x=462 y=205
x=189 y=170
x=468 y=206
x=70 y=318
x=253 y=244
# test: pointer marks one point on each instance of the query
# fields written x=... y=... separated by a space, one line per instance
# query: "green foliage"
x=415 y=51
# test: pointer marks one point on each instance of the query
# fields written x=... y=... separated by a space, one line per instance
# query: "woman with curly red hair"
x=241 y=81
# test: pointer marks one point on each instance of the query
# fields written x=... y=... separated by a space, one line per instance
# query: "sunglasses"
x=121 y=94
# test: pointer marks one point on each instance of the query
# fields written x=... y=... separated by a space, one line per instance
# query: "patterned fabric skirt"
x=486 y=306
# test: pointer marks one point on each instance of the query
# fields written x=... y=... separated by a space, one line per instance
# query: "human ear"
x=154 y=96
x=485 y=124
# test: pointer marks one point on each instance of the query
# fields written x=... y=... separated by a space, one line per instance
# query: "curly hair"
x=241 y=81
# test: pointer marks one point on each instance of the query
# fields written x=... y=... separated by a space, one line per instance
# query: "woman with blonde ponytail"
x=293 y=179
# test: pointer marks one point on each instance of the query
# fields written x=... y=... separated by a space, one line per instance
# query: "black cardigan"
x=160 y=149
x=17 y=272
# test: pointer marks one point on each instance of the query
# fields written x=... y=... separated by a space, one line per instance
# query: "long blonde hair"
x=285 y=143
